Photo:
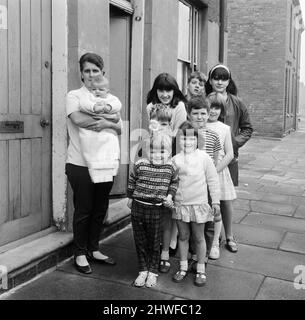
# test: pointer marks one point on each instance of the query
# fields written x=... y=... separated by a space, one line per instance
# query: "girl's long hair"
x=165 y=81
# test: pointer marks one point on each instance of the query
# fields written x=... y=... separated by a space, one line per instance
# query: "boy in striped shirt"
x=198 y=110
x=152 y=184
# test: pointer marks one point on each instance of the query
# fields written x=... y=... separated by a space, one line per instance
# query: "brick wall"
x=256 y=56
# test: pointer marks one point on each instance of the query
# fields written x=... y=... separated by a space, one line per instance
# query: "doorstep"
x=32 y=258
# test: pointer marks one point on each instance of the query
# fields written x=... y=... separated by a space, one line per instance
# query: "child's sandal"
x=200 y=279
x=164 y=266
x=179 y=276
x=231 y=245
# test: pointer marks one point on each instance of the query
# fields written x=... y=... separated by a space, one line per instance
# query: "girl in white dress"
x=227 y=190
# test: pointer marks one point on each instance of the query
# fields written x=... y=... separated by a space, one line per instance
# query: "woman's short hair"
x=216 y=100
x=92 y=58
x=197 y=103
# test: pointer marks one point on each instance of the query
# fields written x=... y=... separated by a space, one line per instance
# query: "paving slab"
x=270 y=179
x=276 y=289
x=273 y=208
x=239 y=215
x=268 y=262
x=275 y=222
x=300 y=212
x=65 y=286
x=294 y=242
x=281 y=198
x=250 y=184
x=293 y=191
x=222 y=284
x=258 y=236
x=241 y=204
x=243 y=193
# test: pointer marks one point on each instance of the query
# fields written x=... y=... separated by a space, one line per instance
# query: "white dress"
x=227 y=190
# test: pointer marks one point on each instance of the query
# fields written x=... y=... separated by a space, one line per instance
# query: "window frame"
x=191 y=64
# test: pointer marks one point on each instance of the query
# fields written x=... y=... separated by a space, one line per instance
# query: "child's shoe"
x=164 y=266
x=151 y=280
x=214 y=253
x=179 y=276
x=200 y=279
x=141 y=279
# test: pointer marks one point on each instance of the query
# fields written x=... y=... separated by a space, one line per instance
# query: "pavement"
x=269 y=224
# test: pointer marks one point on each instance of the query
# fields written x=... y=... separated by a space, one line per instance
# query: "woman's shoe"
x=108 y=260
x=83 y=269
x=231 y=245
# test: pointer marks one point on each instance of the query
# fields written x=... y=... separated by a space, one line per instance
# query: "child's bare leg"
x=227 y=213
x=226 y=207
x=174 y=235
x=183 y=239
x=198 y=234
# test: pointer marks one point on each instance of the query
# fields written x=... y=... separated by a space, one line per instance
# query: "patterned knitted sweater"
x=152 y=183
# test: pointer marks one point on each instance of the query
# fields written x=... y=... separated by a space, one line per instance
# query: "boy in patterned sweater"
x=152 y=185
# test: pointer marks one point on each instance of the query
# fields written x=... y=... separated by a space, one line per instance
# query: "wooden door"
x=25 y=96
x=119 y=85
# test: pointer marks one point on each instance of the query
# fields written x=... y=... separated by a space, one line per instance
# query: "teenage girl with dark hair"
x=165 y=90
x=237 y=117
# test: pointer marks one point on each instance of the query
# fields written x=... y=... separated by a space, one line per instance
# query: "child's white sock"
x=164 y=255
x=200 y=267
x=217 y=231
x=183 y=265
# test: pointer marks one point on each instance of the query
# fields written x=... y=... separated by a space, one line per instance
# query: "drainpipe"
x=221 y=30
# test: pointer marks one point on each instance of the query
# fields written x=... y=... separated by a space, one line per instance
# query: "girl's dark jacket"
x=237 y=117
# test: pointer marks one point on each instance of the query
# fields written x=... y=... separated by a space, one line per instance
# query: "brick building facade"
x=264 y=56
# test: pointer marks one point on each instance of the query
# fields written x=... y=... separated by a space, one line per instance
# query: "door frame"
x=60 y=87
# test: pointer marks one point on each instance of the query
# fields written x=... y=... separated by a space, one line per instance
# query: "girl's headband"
x=220 y=66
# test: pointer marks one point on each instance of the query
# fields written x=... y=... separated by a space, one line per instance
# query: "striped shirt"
x=208 y=140
x=152 y=183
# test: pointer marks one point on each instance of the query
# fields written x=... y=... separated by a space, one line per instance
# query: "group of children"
x=181 y=181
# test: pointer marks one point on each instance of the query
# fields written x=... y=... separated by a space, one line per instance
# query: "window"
x=188 y=42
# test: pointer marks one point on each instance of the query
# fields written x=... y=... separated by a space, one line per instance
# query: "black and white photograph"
x=152 y=153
